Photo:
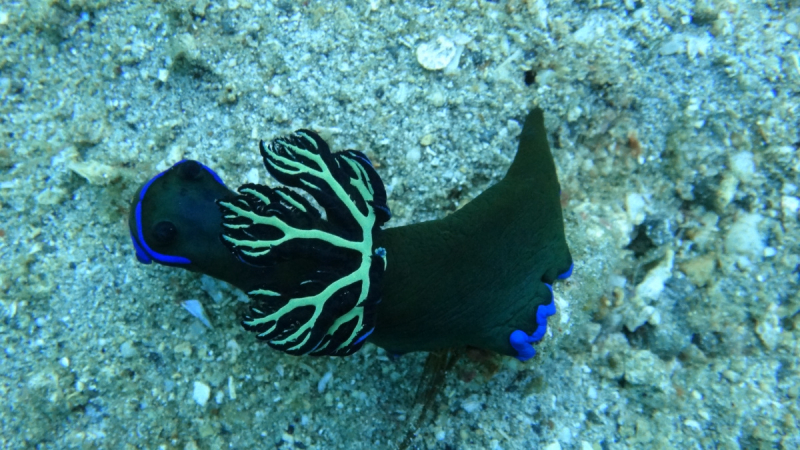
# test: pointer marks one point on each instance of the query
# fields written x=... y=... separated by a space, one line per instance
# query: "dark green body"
x=478 y=274
x=471 y=278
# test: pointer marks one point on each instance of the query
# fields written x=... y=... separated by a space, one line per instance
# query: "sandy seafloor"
x=671 y=121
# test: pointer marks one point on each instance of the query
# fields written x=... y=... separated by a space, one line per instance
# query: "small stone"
x=437 y=99
x=634 y=204
x=789 y=206
x=676 y=44
x=574 y=113
x=653 y=283
x=471 y=405
x=731 y=376
x=698 y=45
x=3 y=18
x=323 y=382
x=231 y=388
x=768 y=327
x=742 y=165
x=163 y=75
x=200 y=7
x=700 y=270
x=692 y=424
x=426 y=140
x=744 y=238
x=655 y=318
x=592 y=392
x=402 y=93
x=201 y=393
x=252 y=176
x=127 y=350
x=184 y=348
x=555 y=445
x=436 y=54
x=726 y=190
x=413 y=156
x=195 y=308
x=643 y=367
x=51 y=196
x=95 y=172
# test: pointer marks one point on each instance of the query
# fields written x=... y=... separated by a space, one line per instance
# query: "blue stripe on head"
x=144 y=253
x=141 y=255
x=163 y=259
x=213 y=174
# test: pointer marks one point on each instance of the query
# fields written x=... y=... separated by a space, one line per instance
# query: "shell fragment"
x=437 y=54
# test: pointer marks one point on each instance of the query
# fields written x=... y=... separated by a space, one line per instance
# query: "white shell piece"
x=195 y=308
x=323 y=382
x=437 y=54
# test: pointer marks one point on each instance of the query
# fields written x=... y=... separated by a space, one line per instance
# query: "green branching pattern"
x=326 y=304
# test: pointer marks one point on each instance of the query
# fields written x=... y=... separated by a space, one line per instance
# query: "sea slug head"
x=174 y=220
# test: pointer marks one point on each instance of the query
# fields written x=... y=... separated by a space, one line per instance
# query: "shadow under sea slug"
x=325 y=284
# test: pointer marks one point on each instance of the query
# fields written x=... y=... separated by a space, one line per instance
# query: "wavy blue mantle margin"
x=522 y=341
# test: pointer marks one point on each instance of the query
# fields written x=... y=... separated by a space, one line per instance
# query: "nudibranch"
x=324 y=277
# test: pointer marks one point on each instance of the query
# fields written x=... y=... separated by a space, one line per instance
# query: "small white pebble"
x=790 y=205
x=201 y=393
x=555 y=445
x=252 y=176
x=219 y=397
x=195 y=308
x=742 y=165
x=127 y=350
x=769 y=252
x=163 y=75
x=731 y=376
x=592 y=392
x=471 y=406
x=231 y=388
x=635 y=205
x=676 y=44
x=436 y=98
x=692 y=424
x=655 y=318
x=3 y=18
x=64 y=362
x=413 y=156
x=440 y=434
x=323 y=382
x=437 y=54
